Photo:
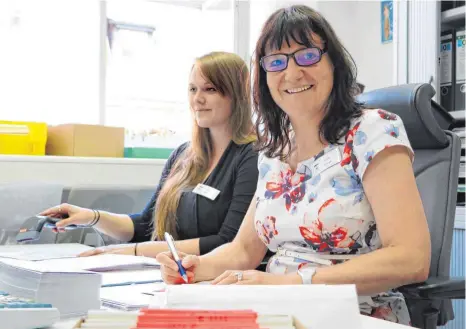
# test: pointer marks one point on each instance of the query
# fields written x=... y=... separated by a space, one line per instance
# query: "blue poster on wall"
x=386 y=10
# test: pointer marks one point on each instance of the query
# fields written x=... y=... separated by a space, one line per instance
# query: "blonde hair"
x=230 y=76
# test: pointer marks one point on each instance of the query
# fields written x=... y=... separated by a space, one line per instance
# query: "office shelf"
x=455 y=15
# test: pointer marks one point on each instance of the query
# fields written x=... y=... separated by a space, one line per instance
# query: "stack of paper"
x=129 y=297
x=42 y=251
x=72 y=292
x=59 y=256
x=102 y=263
x=53 y=274
x=131 y=277
x=313 y=305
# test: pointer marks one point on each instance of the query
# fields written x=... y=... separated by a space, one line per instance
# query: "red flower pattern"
x=321 y=239
x=289 y=186
x=348 y=155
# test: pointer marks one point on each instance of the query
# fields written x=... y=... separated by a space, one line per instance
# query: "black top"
x=214 y=222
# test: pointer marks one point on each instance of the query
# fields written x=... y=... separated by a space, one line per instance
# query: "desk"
x=367 y=323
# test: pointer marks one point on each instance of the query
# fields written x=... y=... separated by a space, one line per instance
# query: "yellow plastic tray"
x=32 y=144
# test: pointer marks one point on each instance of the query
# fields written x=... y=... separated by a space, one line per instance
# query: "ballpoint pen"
x=171 y=246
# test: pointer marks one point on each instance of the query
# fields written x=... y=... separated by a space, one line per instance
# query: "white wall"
x=357 y=24
x=262 y=9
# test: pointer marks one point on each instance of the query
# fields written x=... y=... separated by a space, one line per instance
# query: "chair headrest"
x=412 y=102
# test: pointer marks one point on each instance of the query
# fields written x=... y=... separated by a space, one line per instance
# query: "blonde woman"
x=219 y=156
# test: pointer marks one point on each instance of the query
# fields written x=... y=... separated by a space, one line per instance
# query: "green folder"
x=147 y=152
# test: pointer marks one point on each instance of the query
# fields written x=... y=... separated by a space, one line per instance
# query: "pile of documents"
x=72 y=292
x=129 y=297
x=53 y=274
x=207 y=319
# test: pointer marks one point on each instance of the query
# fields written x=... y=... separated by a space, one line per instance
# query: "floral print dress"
x=321 y=212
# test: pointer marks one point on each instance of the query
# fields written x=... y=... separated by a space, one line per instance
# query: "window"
x=49 y=61
x=149 y=59
x=58 y=66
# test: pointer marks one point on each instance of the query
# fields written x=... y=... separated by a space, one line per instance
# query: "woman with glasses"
x=336 y=198
x=206 y=185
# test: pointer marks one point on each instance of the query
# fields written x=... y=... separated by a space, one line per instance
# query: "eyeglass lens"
x=303 y=57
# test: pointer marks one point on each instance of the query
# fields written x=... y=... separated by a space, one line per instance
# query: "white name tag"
x=326 y=161
x=206 y=191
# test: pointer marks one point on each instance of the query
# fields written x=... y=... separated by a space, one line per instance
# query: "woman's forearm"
x=378 y=271
x=230 y=256
x=212 y=264
x=117 y=226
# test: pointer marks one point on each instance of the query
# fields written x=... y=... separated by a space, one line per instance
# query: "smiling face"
x=301 y=90
x=210 y=108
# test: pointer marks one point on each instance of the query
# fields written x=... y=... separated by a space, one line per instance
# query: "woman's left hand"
x=253 y=277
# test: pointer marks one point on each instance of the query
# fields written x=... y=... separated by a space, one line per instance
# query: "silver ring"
x=239 y=276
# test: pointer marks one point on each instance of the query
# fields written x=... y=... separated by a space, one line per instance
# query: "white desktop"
x=130 y=283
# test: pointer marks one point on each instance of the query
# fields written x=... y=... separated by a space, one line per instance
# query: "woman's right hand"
x=169 y=268
x=71 y=214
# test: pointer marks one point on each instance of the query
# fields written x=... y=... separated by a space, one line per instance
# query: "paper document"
x=36 y=252
x=104 y=262
x=39 y=267
x=129 y=277
x=127 y=298
x=313 y=305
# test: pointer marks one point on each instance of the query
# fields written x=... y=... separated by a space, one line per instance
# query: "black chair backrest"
x=436 y=163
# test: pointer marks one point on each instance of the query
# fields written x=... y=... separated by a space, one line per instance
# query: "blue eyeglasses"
x=302 y=57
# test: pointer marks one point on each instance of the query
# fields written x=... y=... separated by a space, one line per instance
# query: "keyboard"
x=21 y=313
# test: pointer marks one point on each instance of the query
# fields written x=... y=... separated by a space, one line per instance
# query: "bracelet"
x=307 y=275
x=98 y=218
x=135 y=249
x=93 y=220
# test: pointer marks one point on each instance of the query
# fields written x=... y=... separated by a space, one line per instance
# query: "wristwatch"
x=307 y=274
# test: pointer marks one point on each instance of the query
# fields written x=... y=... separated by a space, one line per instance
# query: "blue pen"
x=171 y=246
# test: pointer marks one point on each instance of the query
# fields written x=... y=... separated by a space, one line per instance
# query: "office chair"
x=21 y=200
x=436 y=167
x=116 y=199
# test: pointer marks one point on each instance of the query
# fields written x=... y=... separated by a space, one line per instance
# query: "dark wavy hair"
x=273 y=125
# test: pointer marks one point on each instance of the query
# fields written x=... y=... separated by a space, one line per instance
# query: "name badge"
x=206 y=191
x=326 y=161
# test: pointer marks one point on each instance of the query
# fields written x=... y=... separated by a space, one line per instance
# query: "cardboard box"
x=85 y=141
